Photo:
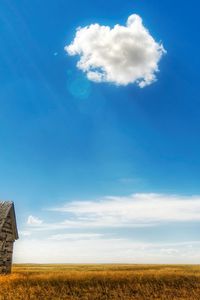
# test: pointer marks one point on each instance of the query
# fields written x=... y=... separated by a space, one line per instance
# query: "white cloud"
x=75 y=236
x=99 y=250
x=102 y=231
x=120 y=55
x=137 y=210
x=134 y=211
x=24 y=233
x=34 y=221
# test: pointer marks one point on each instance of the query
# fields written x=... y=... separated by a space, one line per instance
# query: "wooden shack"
x=8 y=235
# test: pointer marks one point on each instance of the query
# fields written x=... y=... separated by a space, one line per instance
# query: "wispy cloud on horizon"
x=75 y=236
x=102 y=250
x=105 y=230
x=136 y=210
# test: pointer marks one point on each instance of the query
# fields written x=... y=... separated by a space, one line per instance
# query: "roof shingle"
x=7 y=207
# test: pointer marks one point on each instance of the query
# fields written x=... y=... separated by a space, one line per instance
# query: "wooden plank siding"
x=8 y=234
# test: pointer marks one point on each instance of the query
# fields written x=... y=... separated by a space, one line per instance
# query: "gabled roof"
x=7 y=207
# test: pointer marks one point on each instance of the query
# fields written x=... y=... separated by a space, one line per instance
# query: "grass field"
x=125 y=282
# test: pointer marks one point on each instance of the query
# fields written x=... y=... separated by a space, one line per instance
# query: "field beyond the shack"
x=103 y=282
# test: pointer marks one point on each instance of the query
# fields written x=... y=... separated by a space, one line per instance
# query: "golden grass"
x=103 y=282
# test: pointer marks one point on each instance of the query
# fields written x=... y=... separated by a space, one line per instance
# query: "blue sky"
x=65 y=138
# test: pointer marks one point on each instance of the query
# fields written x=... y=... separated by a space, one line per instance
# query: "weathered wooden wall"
x=6 y=246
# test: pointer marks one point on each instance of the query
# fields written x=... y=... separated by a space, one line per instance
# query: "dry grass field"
x=103 y=282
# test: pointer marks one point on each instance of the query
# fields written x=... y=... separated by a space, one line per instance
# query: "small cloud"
x=24 y=233
x=34 y=221
x=120 y=55
x=75 y=236
x=169 y=251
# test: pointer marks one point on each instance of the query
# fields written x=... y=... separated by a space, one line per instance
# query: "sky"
x=99 y=129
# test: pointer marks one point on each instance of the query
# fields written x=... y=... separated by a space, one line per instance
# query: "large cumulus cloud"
x=120 y=55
